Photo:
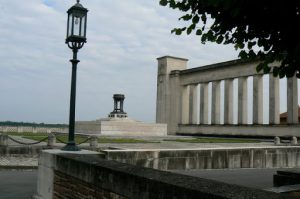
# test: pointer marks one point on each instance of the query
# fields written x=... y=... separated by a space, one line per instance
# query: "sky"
x=124 y=38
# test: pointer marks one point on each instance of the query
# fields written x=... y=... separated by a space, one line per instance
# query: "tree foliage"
x=259 y=29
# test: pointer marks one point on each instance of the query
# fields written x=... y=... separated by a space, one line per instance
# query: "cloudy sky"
x=124 y=40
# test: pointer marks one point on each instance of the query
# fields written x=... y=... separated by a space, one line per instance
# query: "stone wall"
x=87 y=176
x=226 y=158
x=66 y=186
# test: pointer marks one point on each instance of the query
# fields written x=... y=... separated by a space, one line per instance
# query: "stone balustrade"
x=191 y=100
x=30 y=129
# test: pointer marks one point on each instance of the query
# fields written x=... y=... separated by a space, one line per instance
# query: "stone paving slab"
x=16 y=160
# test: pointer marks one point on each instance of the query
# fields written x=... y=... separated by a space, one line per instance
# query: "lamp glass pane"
x=83 y=27
x=69 y=25
x=76 y=26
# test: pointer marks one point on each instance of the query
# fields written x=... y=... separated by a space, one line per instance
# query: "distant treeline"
x=33 y=124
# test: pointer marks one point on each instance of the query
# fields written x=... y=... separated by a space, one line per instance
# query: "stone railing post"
x=3 y=140
x=94 y=141
x=276 y=140
x=51 y=140
x=294 y=141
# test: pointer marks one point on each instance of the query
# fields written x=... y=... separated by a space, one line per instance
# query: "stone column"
x=175 y=94
x=204 y=103
x=193 y=104
x=258 y=99
x=184 y=105
x=242 y=100
x=292 y=100
x=274 y=100
x=166 y=65
x=215 y=102
x=228 y=101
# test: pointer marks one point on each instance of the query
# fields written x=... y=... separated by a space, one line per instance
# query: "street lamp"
x=76 y=37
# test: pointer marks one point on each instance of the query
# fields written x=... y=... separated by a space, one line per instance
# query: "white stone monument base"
x=120 y=127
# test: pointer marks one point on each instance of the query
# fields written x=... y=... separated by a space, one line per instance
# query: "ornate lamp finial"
x=78 y=1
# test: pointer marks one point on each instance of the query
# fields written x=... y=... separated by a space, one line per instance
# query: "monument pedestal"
x=120 y=127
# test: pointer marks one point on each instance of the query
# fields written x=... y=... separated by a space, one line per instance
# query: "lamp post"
x=76 y=37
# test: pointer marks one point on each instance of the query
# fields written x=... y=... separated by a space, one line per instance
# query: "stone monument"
x=118 y=107
x=117 y=123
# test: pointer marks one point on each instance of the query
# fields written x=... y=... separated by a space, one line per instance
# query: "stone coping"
x=202 y=149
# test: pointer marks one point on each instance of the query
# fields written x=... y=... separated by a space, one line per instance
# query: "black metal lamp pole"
x=76 y=37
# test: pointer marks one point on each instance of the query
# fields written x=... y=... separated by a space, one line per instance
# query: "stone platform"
x=120 y=127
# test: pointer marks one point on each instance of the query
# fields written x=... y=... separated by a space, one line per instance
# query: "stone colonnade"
x=178 y=90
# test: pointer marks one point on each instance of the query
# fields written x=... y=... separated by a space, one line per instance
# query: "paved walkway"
x=15 y=184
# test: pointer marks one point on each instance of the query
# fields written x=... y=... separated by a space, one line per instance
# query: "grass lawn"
x=213 y=140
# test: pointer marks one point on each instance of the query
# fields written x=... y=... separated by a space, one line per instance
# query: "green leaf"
x=189 y=30
x=266 y=69
x=178 y=31
x=259 y=67
x=203 y=18
x=220 y=39
x=281 y=72
x=203 y=38
x=195 y=19
x=172 y=4
x=186 y=17
x=199 y=32
x=163 y=2
x=243 y=55
x=275 y=71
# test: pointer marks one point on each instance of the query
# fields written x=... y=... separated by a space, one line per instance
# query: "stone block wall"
x=88 y=176
x=66 y=186
x=234 y=158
